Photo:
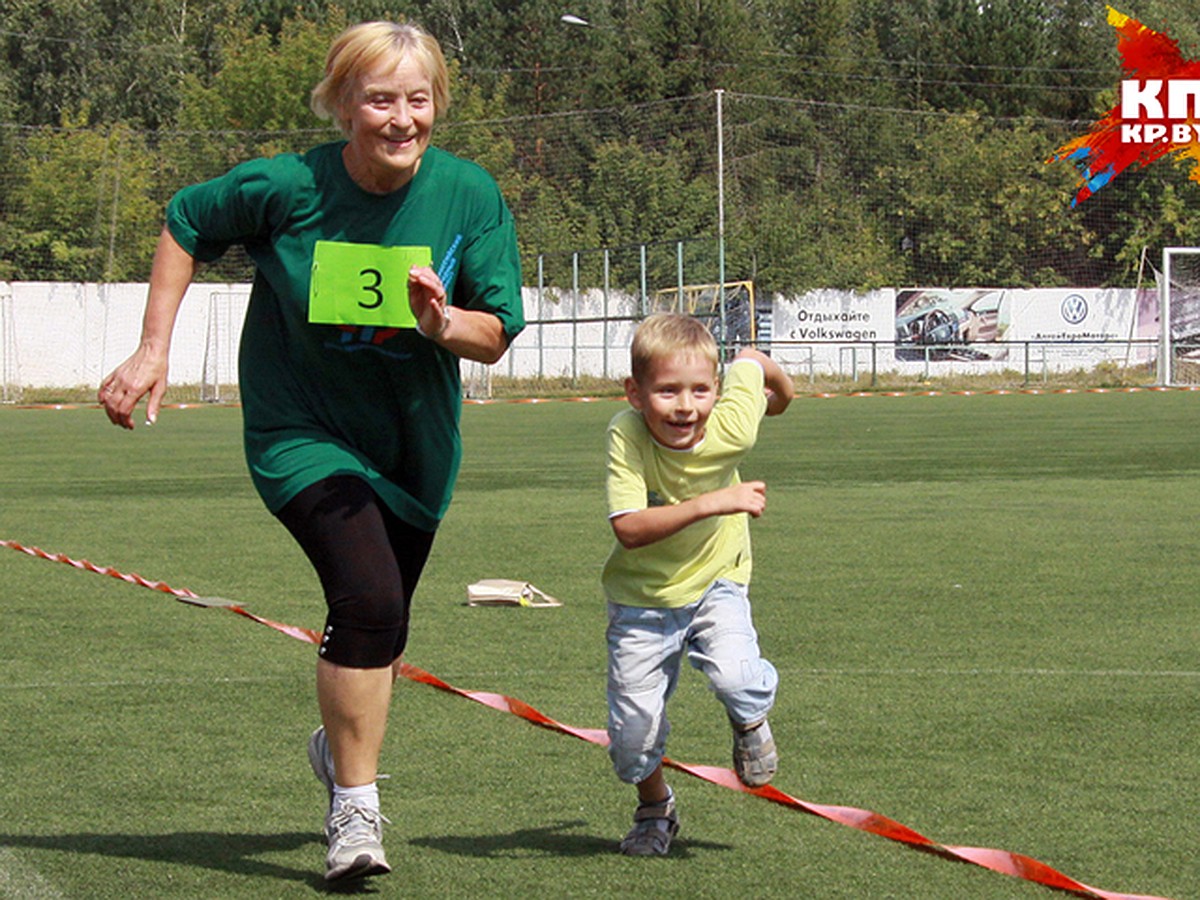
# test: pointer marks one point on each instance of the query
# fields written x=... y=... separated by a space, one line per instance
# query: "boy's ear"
x=632 y=395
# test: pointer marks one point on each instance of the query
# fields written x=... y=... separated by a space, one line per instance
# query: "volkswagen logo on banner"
x=1074 y=309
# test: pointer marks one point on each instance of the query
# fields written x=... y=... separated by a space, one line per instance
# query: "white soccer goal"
x=10 y=380
x=1179 y=305
x=476 y=380
x=223 y=333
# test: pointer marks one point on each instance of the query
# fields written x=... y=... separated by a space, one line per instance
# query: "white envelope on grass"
x=507 y=592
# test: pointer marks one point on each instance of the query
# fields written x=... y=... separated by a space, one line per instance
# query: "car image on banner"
x=950 y=324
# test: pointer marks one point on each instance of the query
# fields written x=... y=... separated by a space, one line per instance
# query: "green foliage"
x=867 y=141
x=86 y=204
x=265 y=80
x=125 y=60
x=553 y=217
x=1154 y=209
x=491 y=147
x=823 y=236
x=637 y=194
x=1003 y=222
x=702 y=45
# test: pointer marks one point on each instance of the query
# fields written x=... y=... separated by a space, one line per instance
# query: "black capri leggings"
x=369 y=562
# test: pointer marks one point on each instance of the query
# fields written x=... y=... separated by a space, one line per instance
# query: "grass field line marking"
x=1019 y=673
x=19 y=880
x=139 y=682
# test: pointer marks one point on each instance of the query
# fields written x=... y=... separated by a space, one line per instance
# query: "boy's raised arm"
x=780 y=389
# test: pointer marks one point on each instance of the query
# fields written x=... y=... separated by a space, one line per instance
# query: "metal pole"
x=575 y=318
x=604 y=316
x=1164 y=321
x=679 y=272
x=721 y=211
x=541 y=276
x=642 y=261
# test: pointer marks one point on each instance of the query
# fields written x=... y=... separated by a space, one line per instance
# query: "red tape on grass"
x=184 y=596
x=1003 y=861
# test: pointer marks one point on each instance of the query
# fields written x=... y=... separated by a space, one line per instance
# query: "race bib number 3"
x=363 y=284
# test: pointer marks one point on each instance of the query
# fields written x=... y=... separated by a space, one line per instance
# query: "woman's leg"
x=368 y=562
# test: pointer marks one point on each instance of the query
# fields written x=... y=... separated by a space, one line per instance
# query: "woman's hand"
x=145 y=372
x=427 y=300
x=473 y=334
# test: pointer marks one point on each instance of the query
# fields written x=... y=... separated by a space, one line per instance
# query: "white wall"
x=65 y=335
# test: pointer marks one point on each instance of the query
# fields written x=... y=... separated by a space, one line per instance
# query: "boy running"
x=677 y=579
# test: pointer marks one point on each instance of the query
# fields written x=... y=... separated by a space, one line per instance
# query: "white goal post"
x=1179 y=317
x=10 y=381
x=222 y=335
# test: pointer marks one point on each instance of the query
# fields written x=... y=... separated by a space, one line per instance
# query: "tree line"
x=865 y=142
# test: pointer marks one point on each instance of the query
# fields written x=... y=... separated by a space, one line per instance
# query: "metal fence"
x=62 y=338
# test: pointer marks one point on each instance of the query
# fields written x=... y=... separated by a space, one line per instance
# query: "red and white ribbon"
x=1003 y=861
x=182 y=595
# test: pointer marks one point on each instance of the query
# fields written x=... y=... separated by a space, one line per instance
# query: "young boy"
x=676 y=580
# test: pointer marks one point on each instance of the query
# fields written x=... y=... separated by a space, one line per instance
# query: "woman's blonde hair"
x=366 y=47
x=669 y=334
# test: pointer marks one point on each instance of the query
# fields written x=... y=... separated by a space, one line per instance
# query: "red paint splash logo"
x=1157 y=114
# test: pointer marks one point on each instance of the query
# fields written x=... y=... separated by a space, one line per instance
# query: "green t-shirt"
x=642 y=473
x=382 y=403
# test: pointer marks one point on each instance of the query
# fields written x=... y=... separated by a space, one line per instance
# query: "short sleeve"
x=742 y=405
x=490 y=273
x=626 y=479
x=206 y=219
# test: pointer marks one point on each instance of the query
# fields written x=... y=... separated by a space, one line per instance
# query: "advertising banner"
x=937 y=324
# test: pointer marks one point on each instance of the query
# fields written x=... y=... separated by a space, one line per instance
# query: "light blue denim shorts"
x=646 y=647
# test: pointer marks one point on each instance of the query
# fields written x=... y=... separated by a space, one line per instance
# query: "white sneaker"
x=355 y=836
x=321 y=759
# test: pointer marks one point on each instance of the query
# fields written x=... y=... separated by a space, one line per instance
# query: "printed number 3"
x=372 y=288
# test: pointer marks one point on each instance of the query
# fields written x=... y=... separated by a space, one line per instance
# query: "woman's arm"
x=145 y=371
x=470 y=333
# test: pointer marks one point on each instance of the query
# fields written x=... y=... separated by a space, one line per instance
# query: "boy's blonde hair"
x=365 y=47
x=668 y=334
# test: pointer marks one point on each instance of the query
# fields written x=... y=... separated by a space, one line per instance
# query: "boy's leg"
x=723 y=644
x=644 y=655
x=655 y=822
x=653 y=789
x=645 y=649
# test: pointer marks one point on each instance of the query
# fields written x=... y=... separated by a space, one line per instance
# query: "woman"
x=349 y=367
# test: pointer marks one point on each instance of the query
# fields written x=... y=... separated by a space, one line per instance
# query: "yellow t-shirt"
x=642 y=473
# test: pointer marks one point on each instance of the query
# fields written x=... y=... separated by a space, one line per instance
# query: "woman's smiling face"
x=389 y=119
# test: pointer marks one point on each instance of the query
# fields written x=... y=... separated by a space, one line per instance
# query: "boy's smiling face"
x=675 y=397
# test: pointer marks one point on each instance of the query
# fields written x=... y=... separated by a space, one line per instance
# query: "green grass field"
x=982 y=609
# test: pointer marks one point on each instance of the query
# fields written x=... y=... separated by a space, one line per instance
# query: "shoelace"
x=357 y=824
